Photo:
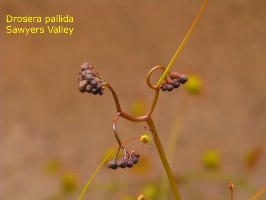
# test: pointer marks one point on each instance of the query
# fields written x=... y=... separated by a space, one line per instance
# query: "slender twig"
x=231 y=187
x=155 y=87
x=94 y=174
x=164 y=160
x=134 y=119
x=156 y=95
x=114 y=129
x=118 y=108
x=149 y=76
x=256 y=196
x=232 y=194
x=182 y=43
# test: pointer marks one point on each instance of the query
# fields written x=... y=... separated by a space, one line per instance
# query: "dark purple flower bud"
x=130 y=163
x=121 y=163
x=101 y=92
x=174 y=75
x=170 y=87
x=94 y=82
x=99 y=87
x=183 y=78
x=89 y=88
x=176 y=84
x=82 y=86
x=89 y=78
x=135 y=154
x=94 y=91
x=164 y=87
x=135 y=160
x=80 y=78
x=112 y=164
x=87 y=72
x=84 y=66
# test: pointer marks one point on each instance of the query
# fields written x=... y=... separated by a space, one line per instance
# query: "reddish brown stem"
x=118 y=108
x=114 y=129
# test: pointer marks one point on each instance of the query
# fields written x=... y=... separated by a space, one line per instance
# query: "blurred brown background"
x=48 y=126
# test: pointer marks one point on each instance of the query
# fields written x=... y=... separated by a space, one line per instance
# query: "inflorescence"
x=89 y=80
x=173 y=80
x=129 y=159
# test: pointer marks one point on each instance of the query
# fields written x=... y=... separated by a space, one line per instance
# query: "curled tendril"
x=149 y=75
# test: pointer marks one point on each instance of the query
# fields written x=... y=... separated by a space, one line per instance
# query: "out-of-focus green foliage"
x=143 y=166
x=150 y=190
x=138 y=107
x=194 y=84
x=128 y=198
x=107 y=151
x=52 y=166
x=69 y=182
x=211 y=159
x=252 y=157
x=53 y=198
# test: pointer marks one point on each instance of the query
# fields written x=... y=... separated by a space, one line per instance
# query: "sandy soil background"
x=44 y=117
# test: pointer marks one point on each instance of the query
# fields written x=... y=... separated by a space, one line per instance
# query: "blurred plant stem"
x=240 y=181
x=164 y=161
x=256 y=196
x=94 y=174
x=182 y=43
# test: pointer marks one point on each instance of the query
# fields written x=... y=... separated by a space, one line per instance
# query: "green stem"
x=164 y=160
x=182 y=44
x=94 y=174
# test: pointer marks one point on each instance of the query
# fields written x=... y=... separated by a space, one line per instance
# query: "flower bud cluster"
x=128 y=160
x=174 y=80
x=89 y=80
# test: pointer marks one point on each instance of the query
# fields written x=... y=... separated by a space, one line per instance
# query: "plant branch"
x=256 y=196
x=149 y=76
x=118 y=108
x=182 y=43
x=155 y=98
x=134 y=119
x=114 y=129
x=155 y=87
x=232 y=194
x=164 y=159
x=94 y=174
